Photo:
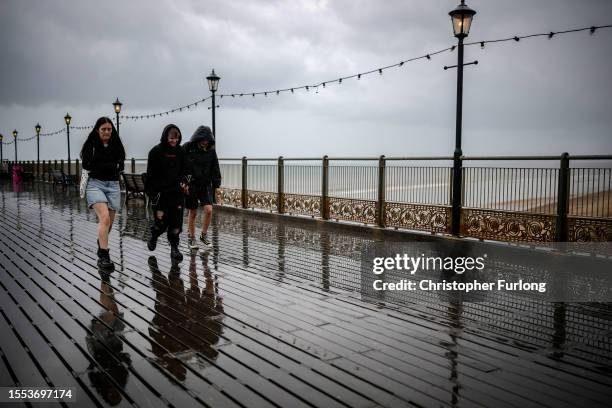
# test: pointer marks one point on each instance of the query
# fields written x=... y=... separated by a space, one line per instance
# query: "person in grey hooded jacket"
x=204 y=174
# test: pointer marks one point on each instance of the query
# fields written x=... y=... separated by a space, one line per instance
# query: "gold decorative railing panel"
x=264 y=200
x=434 y=218
x=508 y=226
x=302 y=204
x=352 y=210
x=584 y=229
x=229 y=196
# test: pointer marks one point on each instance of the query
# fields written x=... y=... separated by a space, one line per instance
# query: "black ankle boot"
x=175 y=254
x=104 y=261
x=152 y=243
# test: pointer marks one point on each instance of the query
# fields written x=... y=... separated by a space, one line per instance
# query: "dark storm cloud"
x=64 y=55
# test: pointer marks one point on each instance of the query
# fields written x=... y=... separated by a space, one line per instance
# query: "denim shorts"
x=99 y=191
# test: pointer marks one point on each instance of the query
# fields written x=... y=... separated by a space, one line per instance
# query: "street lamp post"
x=461 y=18
x=67 y=119
x=15 y=133
x=1 y=153
x=213 y=84
x=117 y=106
x=37 y=128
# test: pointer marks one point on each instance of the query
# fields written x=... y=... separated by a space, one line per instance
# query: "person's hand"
x=185 y=188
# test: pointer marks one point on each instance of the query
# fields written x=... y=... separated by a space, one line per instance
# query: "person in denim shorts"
x=103 y=156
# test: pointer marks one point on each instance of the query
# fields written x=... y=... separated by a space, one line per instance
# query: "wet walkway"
x=271 y=316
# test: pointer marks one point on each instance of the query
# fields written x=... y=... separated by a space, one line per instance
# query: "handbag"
x=84 y=180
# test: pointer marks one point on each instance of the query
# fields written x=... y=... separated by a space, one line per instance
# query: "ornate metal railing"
x=518 y=198
x=535 y=198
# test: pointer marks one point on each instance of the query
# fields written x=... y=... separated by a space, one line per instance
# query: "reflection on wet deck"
x=271 y=316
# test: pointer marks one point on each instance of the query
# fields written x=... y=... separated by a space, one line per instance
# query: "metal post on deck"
x=38 y=128
x=457 y=161
x=281 y=183
x=244 y=196
x=325 y=189
x=133 y=163
x=78 y=172
x=563 y=198
x=380 y=205
x=68 y=119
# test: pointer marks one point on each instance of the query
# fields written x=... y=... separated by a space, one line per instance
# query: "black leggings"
x=171 y=221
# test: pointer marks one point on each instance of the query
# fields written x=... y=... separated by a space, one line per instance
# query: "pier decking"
x=270 y=316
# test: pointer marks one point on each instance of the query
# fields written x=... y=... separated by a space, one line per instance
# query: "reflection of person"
x=165 y=172
x=185 y=320
x=169 y=311
x=203 y=167
x=206 y=307
x=103 y=156
x=106 y=348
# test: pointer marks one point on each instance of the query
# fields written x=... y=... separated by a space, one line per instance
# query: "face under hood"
x=164 y=136
x=203 y=133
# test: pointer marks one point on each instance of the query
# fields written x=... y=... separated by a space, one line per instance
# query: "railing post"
x=563 y=198
x=380 y=204
x=54 y=164
x=244 y=196
x=325 y=189
x=281 y=184
x=133 y=163
x=78 y=172
x=62 y=165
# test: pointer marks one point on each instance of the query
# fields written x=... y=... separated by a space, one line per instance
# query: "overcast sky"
x=537 y=96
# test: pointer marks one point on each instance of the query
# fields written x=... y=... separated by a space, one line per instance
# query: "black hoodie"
x=165 y=166
x=202 y=165
x=103 y=162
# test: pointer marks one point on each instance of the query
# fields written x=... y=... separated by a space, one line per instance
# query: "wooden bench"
x=58 y=177
x=135 y=186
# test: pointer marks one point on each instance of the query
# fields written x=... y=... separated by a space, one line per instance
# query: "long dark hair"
x=93 y=139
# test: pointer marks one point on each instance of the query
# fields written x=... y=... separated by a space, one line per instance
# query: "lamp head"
x=117 y=106
x=213 y=81
x=461 y=18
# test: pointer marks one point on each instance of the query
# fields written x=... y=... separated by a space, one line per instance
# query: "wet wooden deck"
x=271 y=316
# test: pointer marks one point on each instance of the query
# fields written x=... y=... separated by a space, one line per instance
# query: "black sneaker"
x=205 y=240
x=175 y=254
x=152 y=243
x=104 y=261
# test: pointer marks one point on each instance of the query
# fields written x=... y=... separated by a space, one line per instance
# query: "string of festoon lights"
x=335 y=81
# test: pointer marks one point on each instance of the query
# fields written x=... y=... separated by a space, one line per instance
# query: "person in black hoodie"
x=204 y=177
x=165 y=187
x=103 y=156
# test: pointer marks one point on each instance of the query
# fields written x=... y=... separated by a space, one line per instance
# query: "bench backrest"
x=128 y=179
x=134 y=182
